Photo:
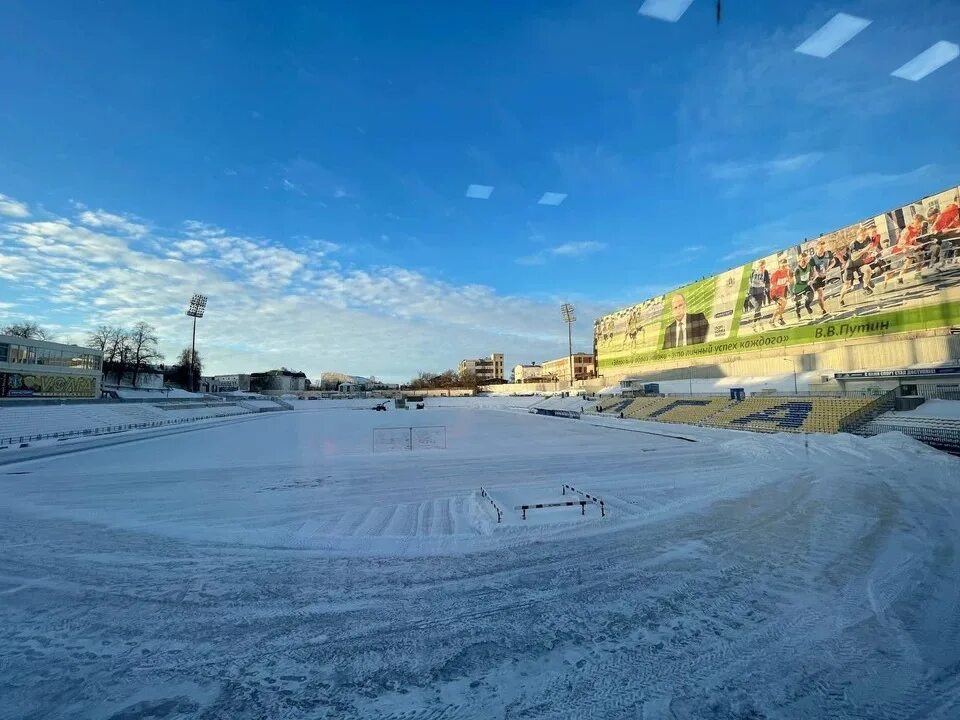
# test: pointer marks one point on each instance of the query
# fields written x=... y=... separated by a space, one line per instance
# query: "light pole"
x=793 y=362
x=566 y=312
x=198 y=304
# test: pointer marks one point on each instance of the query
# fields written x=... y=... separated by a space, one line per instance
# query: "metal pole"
x=193 y=352
x=796 y=391
x=570 y=349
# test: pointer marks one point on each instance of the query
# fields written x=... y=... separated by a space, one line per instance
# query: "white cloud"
x=339 y=192
x=576 y=249
x=669 y=10
x=103 y=219
x=12 y=267
x=13 y=208
x=836 y=33
x=191 y=247
x=744 y=169
x=570 y=249
x=933 y=58
x=272 y=304
x=479 y=192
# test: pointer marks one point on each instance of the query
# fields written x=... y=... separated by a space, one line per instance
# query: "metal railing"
x=860 y=416
x=938 y=392
x=106 y=430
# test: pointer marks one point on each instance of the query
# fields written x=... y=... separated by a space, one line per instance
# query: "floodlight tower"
x=566 y=312
x=198 y=303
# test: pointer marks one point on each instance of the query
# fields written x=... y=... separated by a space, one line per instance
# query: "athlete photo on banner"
x=894 y=272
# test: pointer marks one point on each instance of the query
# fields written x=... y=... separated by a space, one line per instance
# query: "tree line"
x=446 y=379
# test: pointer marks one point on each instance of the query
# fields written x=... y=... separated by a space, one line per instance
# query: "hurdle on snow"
x=597 y=500
x=581 y=503
x=483 y=493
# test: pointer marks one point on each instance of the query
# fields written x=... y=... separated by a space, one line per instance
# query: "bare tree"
x=143 y=341
x=27 y=329
x=116 y=353
x=100 y=338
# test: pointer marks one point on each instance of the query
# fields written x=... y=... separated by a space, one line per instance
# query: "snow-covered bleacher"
x=260 y=405
x=22 y=423
x=936 y=422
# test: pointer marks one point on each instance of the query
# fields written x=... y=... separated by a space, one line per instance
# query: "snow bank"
x=931 y=409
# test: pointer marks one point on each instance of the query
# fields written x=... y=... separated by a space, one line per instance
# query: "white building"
x=485 y=369
x=528 y=373
x=583 y=367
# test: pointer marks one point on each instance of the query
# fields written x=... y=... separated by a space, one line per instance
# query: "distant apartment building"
x=583 y=367
x=485 y=369
x=533 y=372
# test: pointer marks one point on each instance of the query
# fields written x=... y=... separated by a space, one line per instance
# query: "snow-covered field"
x=279 y=568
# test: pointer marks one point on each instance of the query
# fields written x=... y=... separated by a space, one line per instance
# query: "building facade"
x=533 y=372
x=583 y=367
x=227 y=383
x=37 y=368
x=485 y=369
x=274 y=381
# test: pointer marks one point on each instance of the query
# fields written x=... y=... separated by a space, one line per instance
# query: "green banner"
x=895 y=272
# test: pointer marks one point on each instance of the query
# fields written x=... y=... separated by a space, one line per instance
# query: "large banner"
x=891 y=273
x=27 y=385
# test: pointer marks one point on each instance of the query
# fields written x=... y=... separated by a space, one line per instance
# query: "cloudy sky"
x=383 y=188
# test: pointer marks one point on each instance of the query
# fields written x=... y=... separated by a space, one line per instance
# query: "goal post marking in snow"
x=597 y=500
x=418 y=437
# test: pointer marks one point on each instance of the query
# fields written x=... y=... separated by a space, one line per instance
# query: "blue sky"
x=307 y=164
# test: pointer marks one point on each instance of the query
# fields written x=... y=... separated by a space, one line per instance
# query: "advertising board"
x=894 y=272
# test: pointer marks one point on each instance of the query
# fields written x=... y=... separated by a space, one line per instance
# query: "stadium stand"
x=638 y=407
x=792 y=414
x=935 y=423
x=614 y=405
x=19 y=424
x=692 y=410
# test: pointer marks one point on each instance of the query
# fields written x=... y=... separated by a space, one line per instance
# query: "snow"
x=131 y=394
x=27 y=421
x=931 y=409
x=280 y=568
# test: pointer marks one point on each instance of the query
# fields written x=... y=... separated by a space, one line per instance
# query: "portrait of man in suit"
x=686 y=328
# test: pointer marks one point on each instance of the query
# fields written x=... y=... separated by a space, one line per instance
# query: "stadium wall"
x=896 y=273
